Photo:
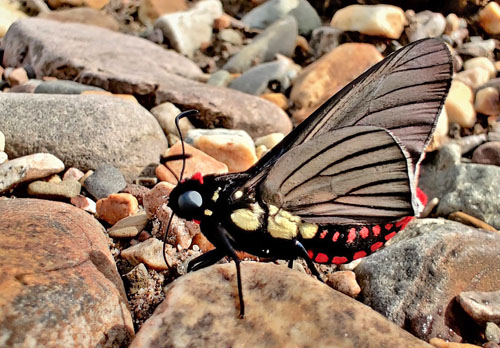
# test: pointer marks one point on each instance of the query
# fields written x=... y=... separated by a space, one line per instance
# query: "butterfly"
x=337 y=187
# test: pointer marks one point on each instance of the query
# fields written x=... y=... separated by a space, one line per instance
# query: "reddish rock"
x=84 y=203
x=116 y=207
x=59 y=285
x=17 y=77
x=488 y=153
x=73 y=174
x=345 y=282
x=156 y=197
x=138 y=191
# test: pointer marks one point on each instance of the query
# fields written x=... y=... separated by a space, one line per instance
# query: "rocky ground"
x=88 y=93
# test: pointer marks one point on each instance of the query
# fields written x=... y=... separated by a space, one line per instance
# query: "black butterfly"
x=341 y=183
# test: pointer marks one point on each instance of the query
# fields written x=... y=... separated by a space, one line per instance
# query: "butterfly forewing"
x=352 y=175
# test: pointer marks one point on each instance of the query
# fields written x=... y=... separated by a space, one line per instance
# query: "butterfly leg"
x=302 y=252
x=290 y=263
x=205 y=260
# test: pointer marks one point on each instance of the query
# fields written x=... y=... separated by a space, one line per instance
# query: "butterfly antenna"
x=182 y=115
x=165 y=238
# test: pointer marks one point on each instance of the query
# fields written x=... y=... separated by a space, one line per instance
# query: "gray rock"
x=488 y=153
x=28 y=87
x=230 y=35
x=481 y=306
x=324 y=39
x=83 y=131
x=187 y=30
x=278 y=38
x=478 y=47
x=257 y=79
x=64 y=87
x=425 y=24
x=492 y=332
x=220 y=78
x=104 y=181
x=470 y=188
x=414 y=281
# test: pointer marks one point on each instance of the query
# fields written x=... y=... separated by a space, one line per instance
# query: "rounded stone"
x=488 y=153
x=104 y=181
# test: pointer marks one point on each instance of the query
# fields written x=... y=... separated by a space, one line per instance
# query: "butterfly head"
x=188 y=198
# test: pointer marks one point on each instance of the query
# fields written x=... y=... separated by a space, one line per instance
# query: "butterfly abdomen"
x=343 y=244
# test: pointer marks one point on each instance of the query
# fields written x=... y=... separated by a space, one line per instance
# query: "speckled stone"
x=148 y=252
x=104 y=181
x=482 y=306
x=129 y=227
x=55 y=190
x=283 y=308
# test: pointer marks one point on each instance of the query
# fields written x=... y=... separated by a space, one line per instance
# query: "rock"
x=198 y=162
x=138 y=190
x=257 y=80
x=54 y=190
x=83 y=131
x=150 y=10
x=440 y=135
x=270 y=11
x=129 y=227
x=304 y=311
x=28 y=87
x=452 y=23
x=325 y=77
x=474 y=77
x=220 y=78
x=116 y=207
x=279 y=99
x=84 y=203
x=202 y=242
x=2 y=141
x=3 y=157
x=104 y=181
x=83 y=15
x=9 y=13
x=165 y=114
x=64 y=87
x=345 y=282
x=156 y=197
x=378 y=20
x=415 y=280
x=235 y=148
x=270 y=140
x=481 y=306
x=277 y=38
x=149 y=252
x=459 y=105
x=138 y=278
x=478 y=47
x=492 y=332
x=181 y=232
x=59 y=286
x=471 y=221
x=488 y=153
x=231 y=36
x=73 y=174
x=95 y=4
x=481 y=62
x=425 y=24
x=187 y=31
x=324 y=40
x=487 y=101
x=28 y=168
x=17 y=77
x=470 y=142
x=489 y=18
x=440 y=343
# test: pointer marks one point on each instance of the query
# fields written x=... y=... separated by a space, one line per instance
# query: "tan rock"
x=440 y=343
x=261 y=150
x=17 y=77
x=156 y=197
x=345 y=282
x=165 y=114
x=489 y=18
x=73 y=174
x=270 y=140
x=222 y=22
x=481 y=62
x=130 y=226
x=487 y=101
x=181 y=231
x=9 y=13
x=148 y=252
x=85 y=176
x=95 y=4
x=116 y=207
x=150 y=10
x=54 y=190
x=474 y=77
x=276 y=98
x=440 y=135
x=199 y=162
x=325 y=77
x=83 y=15
x=84 y=203
x=304 y=311
x=378 y=20
x=459 y=105
x=452 y=23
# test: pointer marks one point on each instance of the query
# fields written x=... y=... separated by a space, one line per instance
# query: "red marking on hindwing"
x=310 y=253
x=422 y=197
x=323 y=234
x=336 y=236
x=321 y=258
x=364 y=232
x=339 y=260
x=196 y=221
x=376 y=246
x=359 y=254
x=388 y=226
x=401 y=224
x=390 y=235
x=198 y=176
x=351 y=236
x=376 y=230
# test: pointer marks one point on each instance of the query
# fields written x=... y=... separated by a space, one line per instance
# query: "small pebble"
x=440 y=343
x=17 y=77
x=489 y=18
x=278 y=99
x=487 y=153
x=138 y=278
x=3 y=157
x=261 y=150
x=2 y=141
x=116 y=207
x=130 y=226
x=270 y=140
x=481 y=62
x=54 y=178
x=145 y=181
x=222 y=22
x=481 y=306
x=85 y=176
x=144 y=235
x=345 y=282
x=474 y=77
x=181 y=231
x=429 y=207
x=149 y=252
x=425 y=24
x=452 y=23
x=487 y=101
x=54 y=190
x=156 y=197
x=378 y=20
x=492 y=332
x=470 y=142
x=459 y=105
x=84 y=203
x=471 y=221
x=104 y=181
x=138 y=191
x=202 y=242
x=73 y=174
x=165 y=114
x=491 y=345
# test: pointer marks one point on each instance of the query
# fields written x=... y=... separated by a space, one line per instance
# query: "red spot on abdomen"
x=390 y=235
x=321 y=258
x=388 y=226
x=336 y=236
x=359 y=255
x=376 y=230
x=323 y=234
x=196 y=222
x=401 y=224
x=351 y=236
x=364 y=232
x=310 y=253
x=339 y=260
x=376 y=246
x=198 y=176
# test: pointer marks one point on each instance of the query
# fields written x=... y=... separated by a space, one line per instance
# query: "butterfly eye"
x=189 y=202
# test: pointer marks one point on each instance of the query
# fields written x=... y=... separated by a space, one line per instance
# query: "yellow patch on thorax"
x=282 y=224
x=248 y=219
x=215 y=196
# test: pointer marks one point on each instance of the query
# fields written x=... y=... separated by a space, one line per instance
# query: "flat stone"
x=84 y=203
x=425 y=24
x=104 y=181
x=59 y=284
x=481 y=306
x=148 y=252
x=181 y=232
x=28 y=168
x=459 y=105
x=414 y=282
x=129 y=227
x=186 y=31
x=489 y=18
x=156 y=197
x=83 y=131
x=165 y=114
x=378 y=20
x=235 y=148
x=202 y=308
x=83 y=15
x=64 y=87
x=277 y=38
x=488 y=153
x=54 y=190
x=198 y=162
x=116 y=207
